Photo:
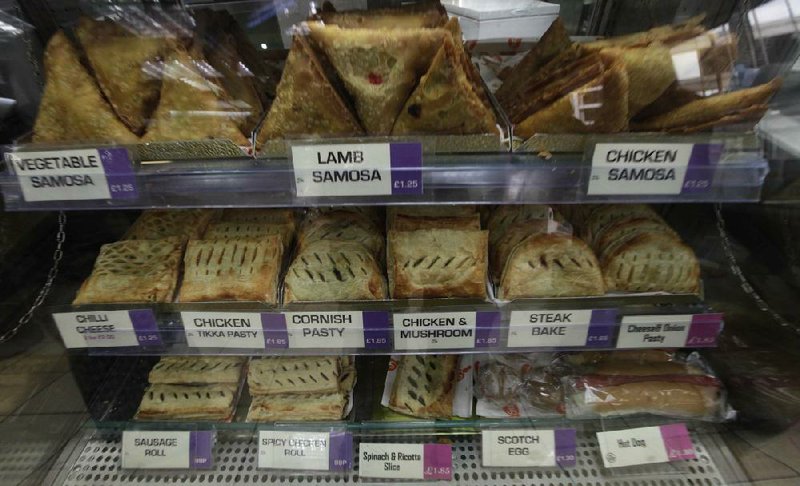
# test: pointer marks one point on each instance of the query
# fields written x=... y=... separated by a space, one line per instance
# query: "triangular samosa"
x=379 y=67
x=444 y=101
x=126 y=68
x=72 y=108
x=554 y=41
x=735 y=107
x=191 y=107
x=600 y=106
x=650 y=73
x=306 y=103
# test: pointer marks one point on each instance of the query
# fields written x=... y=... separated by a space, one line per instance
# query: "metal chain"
x=48 y=284
x=737 y=270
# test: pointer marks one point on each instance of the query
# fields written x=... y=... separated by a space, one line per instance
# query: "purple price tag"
x=201 y=443
x=377 y=330
x=677 y=442
x=276 y=336
x=487 y=332
x=406 y=163
x=119 y=173
x=340 y=452
x=566 y=447
x=704 y=330
x=601 y=328
x=700 y=171
x=437 y=462
x=145 y=327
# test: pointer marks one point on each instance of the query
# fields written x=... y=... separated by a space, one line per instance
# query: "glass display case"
x=517 y=242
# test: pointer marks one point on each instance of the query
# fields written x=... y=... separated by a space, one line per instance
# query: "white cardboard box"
x=495 y=20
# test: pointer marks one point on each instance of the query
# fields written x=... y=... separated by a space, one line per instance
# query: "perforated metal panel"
x=97 y=461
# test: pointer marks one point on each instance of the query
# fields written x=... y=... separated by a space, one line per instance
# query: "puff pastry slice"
x=501 y=248
x=157 y=224
x=603 y=216
x=270 y=408
x=342 y=226
x=401 y=222
x=293 y=375
x=441 y=211
x=622 y=230
x=133 y=271
x=424 y=386
x=236 y=269
x=509 y=216
x=197 y=369
x=231 y=230
x=438 y=263
x=184 y=402
x=334 y=270
x=551 y=265
x=653 y=261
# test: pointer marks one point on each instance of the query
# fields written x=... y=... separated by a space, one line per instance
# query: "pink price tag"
x=437 y=462
x=677 y=442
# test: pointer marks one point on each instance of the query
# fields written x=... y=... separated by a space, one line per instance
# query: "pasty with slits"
x=244 y=229
x=133 y=271
x=551 y=265
x=157 y=224
x=342 y=226
x=270 y=408
x=332 y=271
x=437 y=263
x=651 y=261
x=234 y=269
x=171 y=370
x=295 y=374
x=424 y=386
x=186 y=402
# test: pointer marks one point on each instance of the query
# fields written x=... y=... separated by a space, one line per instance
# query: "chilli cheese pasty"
x=133 y=271
x=156 y=224
x=551 y=265
x=234 y=269
x=437 y=263
x=327 y=271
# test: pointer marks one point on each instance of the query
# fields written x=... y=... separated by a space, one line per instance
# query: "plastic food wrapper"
x=683 y=387
x=463 y=388
x=519 y=385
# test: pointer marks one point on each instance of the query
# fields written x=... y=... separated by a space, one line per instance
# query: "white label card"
x=429 y=330
x=293 y=450
x=336 y=330
x=639 y=168
x=223 y=329
x=548 y=328
x=342 y=169
x=646 y=445
x=519 y=448
x=155 y=449
x=97 y=329
x=400 y=461
x=655 y=331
